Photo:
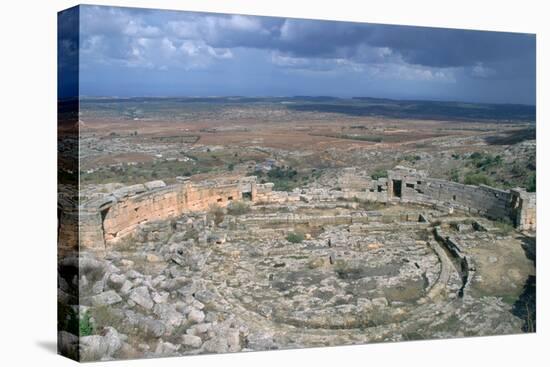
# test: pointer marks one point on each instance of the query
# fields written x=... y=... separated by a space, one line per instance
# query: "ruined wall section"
x=351 y=184
x=517 y=206
x=524 y=210
x=480 y=200
x=265 y=194
x=107 y=220
x=377 y=190
x=91 y=229
x=123 y=217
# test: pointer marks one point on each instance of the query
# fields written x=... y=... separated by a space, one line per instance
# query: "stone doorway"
x=397 y=188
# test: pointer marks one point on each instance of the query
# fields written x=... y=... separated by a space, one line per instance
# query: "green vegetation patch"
x=484 y=161
x=295 y=237
x=478 y=179
x=285 y=178
x=85 y=325
x=412 y=158
x=379 y=173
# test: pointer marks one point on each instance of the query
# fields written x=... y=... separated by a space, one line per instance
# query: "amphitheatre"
x=359 y=275
x=105 y=221
x=225 y=260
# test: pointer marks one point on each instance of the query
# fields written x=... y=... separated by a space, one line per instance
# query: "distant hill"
x=426 y=110
x=357 y=106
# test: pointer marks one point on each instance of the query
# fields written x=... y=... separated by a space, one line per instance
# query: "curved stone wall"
x=516 y=206
x=107 y=220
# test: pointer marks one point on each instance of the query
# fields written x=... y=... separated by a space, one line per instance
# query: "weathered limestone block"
x=151 y=185
x=128 y=191
x=191 y=341
x=97 y=347
x=142 y=297
x=106 y=298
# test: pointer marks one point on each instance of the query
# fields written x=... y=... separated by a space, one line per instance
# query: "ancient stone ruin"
x=107 y=219
x=232 y=265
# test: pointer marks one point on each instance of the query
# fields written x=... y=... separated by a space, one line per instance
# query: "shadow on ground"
x=48 y=345
x=526 y=305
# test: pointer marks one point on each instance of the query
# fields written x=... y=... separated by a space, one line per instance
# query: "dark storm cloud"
x=67 y=53
x=459 y=60
x=453 y=47
x=432 y=47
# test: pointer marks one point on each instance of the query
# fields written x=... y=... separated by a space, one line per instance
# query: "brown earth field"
x=227 y=143
x=311 y=135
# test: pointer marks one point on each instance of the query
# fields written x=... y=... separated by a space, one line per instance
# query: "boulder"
x=126 y=287
x=380 y=302
x=152 y=258
x=98 y=287
x=152 y=327
x=101 y=347
x=205 y=296
x=161 y=297
x=216 y=345
x=191 y=341
x=364 y=303
x=166 y=348
x=168 y=314
x=116 y=281
x=141 y=296
x=106 y=298
x=261 y=341
x=132 y=274
x=199 y=329
x=233 y=340
x=195 y=316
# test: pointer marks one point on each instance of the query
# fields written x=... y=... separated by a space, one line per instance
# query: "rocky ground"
x=217 y=284
x=277 y=276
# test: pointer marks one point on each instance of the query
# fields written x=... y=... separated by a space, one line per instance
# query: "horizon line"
x=89 y=97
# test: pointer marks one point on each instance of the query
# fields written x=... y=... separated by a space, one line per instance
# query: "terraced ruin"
x=232 y=265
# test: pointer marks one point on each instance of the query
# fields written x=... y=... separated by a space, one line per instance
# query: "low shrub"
x=454 y=175
x=85 y=326
x=238 y=208
x=104 y=316
x=295 y=237
x=216 y=213
x=379 y=173
x=477 y=179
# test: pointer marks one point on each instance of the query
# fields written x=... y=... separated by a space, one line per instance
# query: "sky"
x=129 y=52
